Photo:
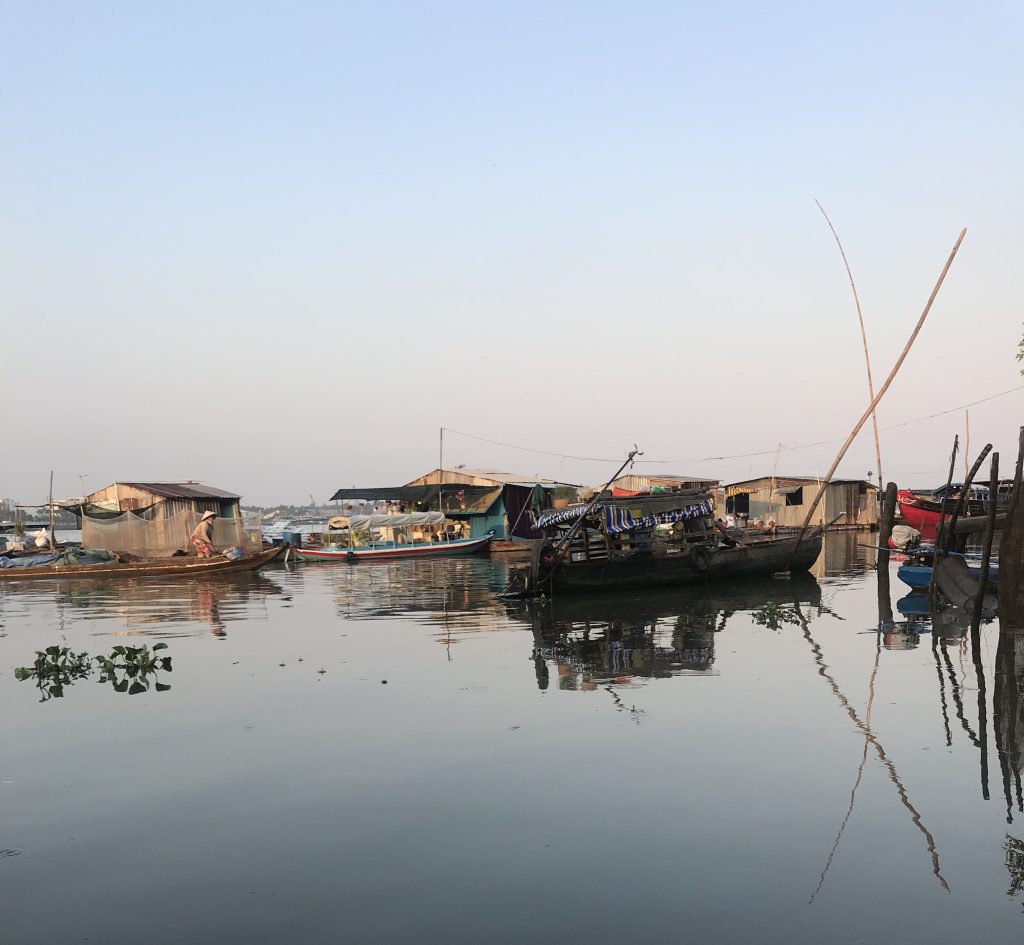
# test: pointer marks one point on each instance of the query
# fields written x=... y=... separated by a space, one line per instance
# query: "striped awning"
x=730 y=491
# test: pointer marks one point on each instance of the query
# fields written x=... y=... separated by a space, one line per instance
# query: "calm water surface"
x=386 y=753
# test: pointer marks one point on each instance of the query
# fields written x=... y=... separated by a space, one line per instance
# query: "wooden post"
x=875 y=400
x=885 y=528
x=942 y=504
x=1011 y=558
x=986 y=548
x=884 y=533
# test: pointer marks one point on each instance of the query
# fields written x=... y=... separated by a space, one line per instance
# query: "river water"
x=388 y=753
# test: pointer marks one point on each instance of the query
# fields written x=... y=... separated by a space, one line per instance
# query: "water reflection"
x=159 y=608
x=596 y=640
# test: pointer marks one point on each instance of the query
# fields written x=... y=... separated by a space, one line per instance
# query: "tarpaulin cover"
x=29 y=561
x=564 y=516
x=621 y=519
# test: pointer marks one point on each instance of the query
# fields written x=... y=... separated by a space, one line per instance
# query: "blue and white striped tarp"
x=618 y=519
x=563 y=516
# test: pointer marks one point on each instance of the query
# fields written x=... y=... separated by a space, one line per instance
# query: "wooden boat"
x=385 y=537
x=659 y=540
x=185 y=566
x=924 y=511
x=387 y=551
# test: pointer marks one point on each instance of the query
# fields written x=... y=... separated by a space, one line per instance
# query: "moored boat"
x=385 y=537
x=655 y=541
x=390 y=550
x=181 y=566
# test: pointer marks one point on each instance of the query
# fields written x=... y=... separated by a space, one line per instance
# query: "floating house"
x=504 y=508
x=485 y=500
x=847 y=503
x=155 y=519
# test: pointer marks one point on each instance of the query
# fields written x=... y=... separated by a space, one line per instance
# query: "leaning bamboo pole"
x=881 y=393
x=864 y=339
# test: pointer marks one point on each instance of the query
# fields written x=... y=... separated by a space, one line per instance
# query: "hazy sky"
x=277 y=246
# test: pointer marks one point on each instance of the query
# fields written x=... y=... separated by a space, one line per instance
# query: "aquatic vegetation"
x=773 y=615
x=128 y=669
x=54 y=668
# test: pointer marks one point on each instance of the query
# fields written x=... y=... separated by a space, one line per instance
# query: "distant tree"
x=1020 y=352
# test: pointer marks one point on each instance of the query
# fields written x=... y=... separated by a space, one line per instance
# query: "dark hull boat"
x=761 y=557
x=663 y=540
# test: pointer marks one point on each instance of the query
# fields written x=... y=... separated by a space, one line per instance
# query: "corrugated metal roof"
x=182 y=490
x=806 y=480
x=495 y=476
x=506 y=478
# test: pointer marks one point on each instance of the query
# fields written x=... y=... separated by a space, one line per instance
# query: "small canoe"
x=149 y=567
x=390 y=550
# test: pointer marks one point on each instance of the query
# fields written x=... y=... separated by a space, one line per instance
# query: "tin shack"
x=847 y=503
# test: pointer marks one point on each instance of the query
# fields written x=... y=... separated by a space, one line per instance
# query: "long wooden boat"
x=386 y=551
x=146 y=568
x=655 y=541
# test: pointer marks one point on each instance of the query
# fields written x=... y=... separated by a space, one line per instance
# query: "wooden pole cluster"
x=961 y=503
x=875 y=400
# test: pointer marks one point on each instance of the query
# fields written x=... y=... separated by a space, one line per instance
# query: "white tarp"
x=367 y=522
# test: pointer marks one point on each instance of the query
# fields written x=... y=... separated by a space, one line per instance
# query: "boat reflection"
x=598 y=640
x=166 y=608
x=456 y=596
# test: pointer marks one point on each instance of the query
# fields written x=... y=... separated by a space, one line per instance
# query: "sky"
x=276 y=247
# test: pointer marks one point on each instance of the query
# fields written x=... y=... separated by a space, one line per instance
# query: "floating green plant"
x=130 y=669
x=774 y=615
x=54 y=668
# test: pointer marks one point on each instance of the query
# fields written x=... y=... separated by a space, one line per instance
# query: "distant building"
x=847 y=503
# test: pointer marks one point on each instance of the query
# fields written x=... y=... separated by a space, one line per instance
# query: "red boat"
x=919 y=512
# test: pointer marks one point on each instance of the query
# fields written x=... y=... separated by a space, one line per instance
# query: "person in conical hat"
x=202 y=535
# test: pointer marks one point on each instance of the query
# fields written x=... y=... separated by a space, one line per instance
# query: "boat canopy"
x=365 y=522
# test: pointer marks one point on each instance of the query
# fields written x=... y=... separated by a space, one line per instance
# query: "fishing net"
x=162 y=538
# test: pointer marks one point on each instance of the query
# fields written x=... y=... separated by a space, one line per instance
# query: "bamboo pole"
x=881 y=393
x=967 y=438
x=986 y=548
x=53 y=538
x=863 y=338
